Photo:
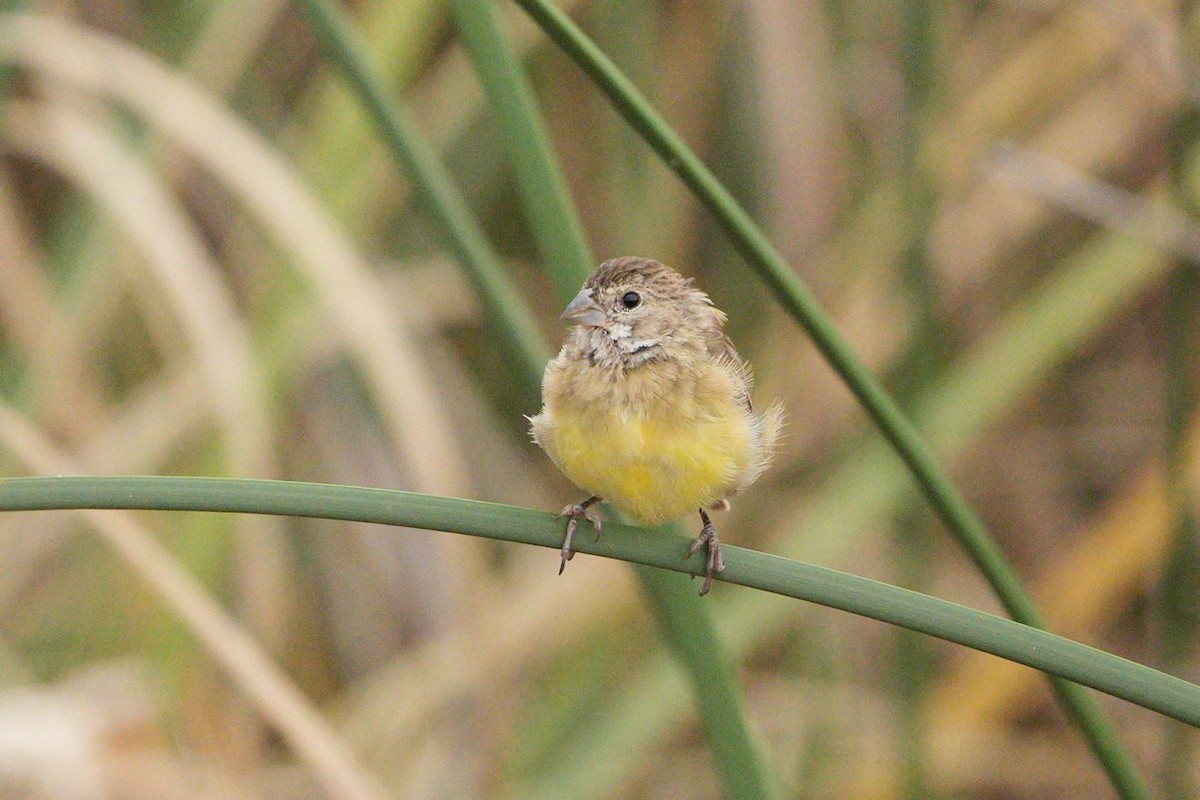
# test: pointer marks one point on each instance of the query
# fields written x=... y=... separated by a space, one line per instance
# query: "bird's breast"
x=657 y=442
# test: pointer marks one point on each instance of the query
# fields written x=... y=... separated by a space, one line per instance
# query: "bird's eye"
x=631 y=300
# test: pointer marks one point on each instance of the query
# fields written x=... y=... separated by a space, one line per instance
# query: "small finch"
x=647 y=405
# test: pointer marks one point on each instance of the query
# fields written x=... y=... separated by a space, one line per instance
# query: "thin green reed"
x=929 y=346
x=420 y=161
x=970 y=627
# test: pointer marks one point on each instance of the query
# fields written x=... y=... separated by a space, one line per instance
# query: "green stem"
x=542 y=188
x=1036 y=648
x=684 y=620
x=419 y=160
x=929 y=344
x=686 y=624
x=796 y=299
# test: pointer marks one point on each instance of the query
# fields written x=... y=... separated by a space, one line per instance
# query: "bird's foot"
x=576 y=512
x=716 y=561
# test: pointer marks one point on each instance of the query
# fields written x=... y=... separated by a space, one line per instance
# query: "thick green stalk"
x=542 y=187
x=794 y=296
x=684 y=620
x=687 y=626
x=418 y=159
x=1036 y=648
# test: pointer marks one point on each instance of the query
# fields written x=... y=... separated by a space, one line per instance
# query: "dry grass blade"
x=373 y=332
x=144 y=432
x=179 y=265
x=392 y=710
x=1044 y=71
x=185 y=280
x=272 y=692
x=1110 y=206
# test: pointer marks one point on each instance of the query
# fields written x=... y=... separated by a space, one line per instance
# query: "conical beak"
x=584 y=310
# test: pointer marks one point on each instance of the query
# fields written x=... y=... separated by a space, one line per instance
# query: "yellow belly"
x=653 y=466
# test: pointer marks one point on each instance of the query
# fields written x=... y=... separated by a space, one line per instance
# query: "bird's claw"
x=576 y=512
x=716 y=559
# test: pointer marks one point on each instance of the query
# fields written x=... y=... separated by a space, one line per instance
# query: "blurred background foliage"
x=209 y=265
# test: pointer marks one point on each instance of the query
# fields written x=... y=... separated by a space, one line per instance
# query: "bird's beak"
x=583 y=310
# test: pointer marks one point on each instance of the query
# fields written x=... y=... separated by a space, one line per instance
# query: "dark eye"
x=631 y=300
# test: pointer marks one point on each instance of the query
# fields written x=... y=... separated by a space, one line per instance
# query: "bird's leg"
x=716 y=561
x=577 y=512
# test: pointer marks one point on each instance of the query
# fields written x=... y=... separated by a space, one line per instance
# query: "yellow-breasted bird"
x=647 y=405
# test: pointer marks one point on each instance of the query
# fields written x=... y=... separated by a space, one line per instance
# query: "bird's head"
x=634 y=310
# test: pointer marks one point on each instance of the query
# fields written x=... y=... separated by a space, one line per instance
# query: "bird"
x=647 y=406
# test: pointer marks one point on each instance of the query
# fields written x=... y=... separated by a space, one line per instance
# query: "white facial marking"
x=620 y=330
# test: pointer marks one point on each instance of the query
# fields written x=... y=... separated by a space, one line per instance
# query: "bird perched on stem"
x=647 y=405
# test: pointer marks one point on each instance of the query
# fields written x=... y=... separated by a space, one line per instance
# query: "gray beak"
x=584 y=310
